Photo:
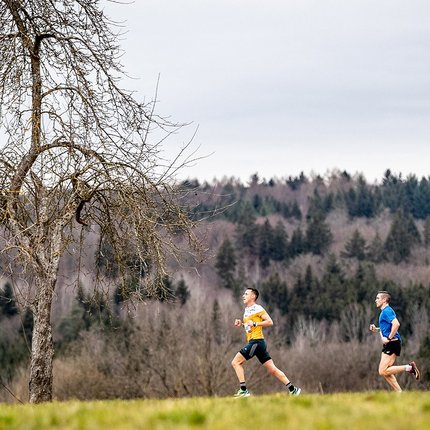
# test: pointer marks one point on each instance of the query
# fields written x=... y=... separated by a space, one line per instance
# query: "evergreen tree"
x=257 y=203
x=355 y=247
x=365 y=283
x=247 y=231
x=319 y=206
x=426 y=233
x=318 y=236
x=304 y=295
x=265 y=243
x=295 y=211
x=402 y=237
x=280 y=243
x=296 y=182
x=72 y=325
x=421 y=200
x=334 y=292
x=225 y=264
x=393 y=192
x=297 y=244
x=274 y=292
x=361 y=201
x=376 y=251
x=182 y=292
x=26 y=329
x=411 y=196
x=316 y=206
x=7 y=301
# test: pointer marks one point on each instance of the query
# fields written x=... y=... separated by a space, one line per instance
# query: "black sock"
x=290 y=387
x=243 y=386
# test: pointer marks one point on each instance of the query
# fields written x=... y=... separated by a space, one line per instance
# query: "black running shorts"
x=393 y=347
x=257 y=348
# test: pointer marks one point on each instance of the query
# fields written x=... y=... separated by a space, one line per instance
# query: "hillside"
x=318 y=249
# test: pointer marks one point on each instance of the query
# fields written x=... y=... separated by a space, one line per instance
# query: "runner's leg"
x=273 y=370
x=388 y=370
x=237 y=364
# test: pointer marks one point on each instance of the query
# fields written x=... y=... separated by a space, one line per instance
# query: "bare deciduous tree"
x=77 y=153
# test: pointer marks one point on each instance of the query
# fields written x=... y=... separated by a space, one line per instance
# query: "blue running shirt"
x=385 y=318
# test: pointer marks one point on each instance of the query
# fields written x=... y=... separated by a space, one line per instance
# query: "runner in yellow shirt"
x=254 y=319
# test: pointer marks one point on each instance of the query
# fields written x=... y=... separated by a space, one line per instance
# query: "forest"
x=317 y=248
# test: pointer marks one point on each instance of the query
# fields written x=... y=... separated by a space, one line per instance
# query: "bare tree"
x=77 y=153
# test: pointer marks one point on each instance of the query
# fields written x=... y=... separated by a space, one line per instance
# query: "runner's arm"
x=374 y=328
x=395 y=324
x=267 y=321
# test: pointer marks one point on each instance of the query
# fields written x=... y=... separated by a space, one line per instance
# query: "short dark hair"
x=386 y=295
x=255 y=291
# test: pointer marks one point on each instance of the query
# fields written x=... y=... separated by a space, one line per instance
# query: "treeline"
x=326 y=297
x=410 y=196
x=266 y=243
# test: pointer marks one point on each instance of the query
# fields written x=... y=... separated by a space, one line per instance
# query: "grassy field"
x=349 y=411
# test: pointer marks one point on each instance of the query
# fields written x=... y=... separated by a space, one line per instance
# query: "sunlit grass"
x=346 y=411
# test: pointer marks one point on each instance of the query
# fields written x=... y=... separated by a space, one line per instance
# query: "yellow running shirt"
x=253 y=313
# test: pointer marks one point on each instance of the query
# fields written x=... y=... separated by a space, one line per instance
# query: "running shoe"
x=242 y=393
x=296 y=391
x=414 y=371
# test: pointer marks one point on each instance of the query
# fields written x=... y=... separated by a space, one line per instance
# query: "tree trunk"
x=42 y=347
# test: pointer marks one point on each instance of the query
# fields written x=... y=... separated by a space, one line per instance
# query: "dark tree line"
x=326 y=297
x=266 y=243
x=410 y=196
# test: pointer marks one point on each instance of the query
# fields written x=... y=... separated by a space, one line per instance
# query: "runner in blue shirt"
x=392 y=342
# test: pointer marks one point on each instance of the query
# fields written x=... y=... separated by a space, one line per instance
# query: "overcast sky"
x=283 y=86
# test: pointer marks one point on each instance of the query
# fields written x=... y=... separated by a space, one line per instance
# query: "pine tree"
x=280 y=243
x=274 y=292
x=316 y=206
x=182 y=292
x=334 y=292
x=7 y=301
x=297 y=244
x=426 y=233
x=26 y=329
x=421 y=200
x=225 y=264
x=393 y=192
x=355 y=247
x=361 y=201
x=265 y=243
x=403 y=235
x=304 y=295
x=376 y=252
x=295 y=211
x=318 y=236
x=247 y=230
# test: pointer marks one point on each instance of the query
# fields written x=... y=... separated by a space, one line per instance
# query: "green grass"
x=346 y=411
